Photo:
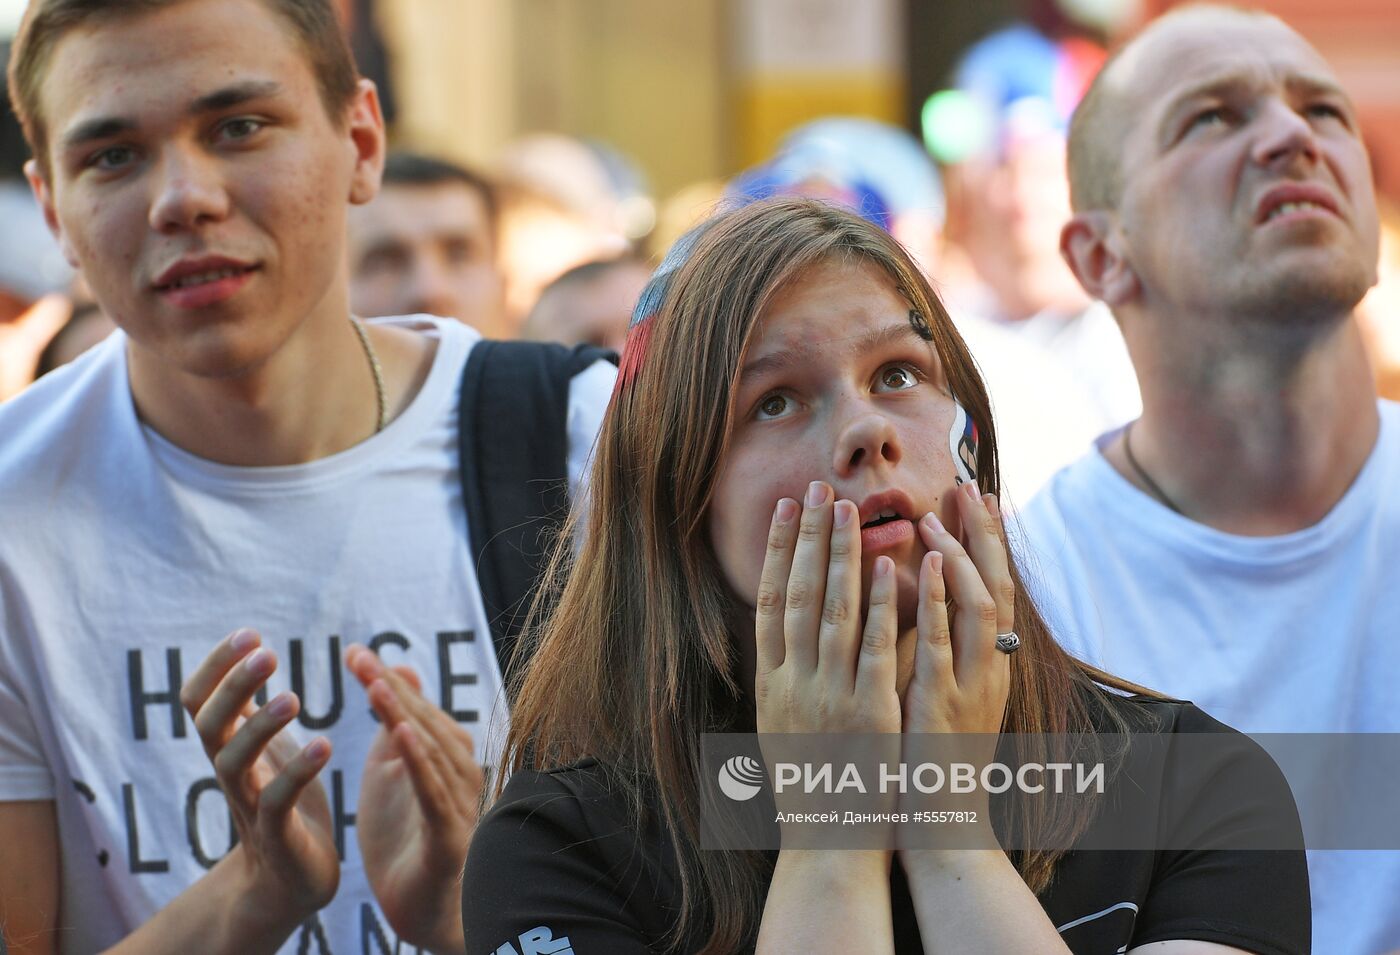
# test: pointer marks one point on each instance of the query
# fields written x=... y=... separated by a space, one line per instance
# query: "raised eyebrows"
x=791 y=357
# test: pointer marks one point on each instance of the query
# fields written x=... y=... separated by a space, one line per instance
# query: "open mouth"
x=885 y=517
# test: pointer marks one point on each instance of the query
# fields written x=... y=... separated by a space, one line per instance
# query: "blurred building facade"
x=700 y=90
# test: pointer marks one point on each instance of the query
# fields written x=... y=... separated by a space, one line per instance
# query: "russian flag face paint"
x=962 y=443
x=962 y=436
x=653 y=297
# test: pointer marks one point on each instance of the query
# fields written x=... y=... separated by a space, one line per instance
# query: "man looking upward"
x=1237 y=544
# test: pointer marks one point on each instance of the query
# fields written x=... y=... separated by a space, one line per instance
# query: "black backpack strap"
x=513 y=448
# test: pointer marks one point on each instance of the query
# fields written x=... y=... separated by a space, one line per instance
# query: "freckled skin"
x=843 y=429
x=276 y=197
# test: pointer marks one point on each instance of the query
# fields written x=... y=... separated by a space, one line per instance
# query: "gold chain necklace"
x=379 y=399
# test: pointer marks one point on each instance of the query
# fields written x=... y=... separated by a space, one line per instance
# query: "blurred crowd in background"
x=551 y=235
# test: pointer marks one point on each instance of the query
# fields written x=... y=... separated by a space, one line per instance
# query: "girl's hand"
x=961 y=680
x=817 y=670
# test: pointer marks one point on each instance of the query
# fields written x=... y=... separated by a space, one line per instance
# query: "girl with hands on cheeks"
x=820 y=670
x=792 y=527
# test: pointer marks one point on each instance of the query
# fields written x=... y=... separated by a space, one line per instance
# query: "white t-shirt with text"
x=124 y=559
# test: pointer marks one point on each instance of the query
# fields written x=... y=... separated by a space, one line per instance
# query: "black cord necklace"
x=1146 y=479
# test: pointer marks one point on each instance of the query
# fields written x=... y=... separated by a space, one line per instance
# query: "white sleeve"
x=589 y=393
x=24 y=773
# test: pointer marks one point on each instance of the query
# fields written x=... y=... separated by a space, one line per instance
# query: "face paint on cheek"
x=962 y=442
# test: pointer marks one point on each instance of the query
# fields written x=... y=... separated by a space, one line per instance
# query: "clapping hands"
x=419 y=801
x=417 y=809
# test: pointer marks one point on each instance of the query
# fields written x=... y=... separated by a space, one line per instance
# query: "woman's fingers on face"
x=806 y=585
x=986 y=543
x=771 y=603
x=933 y=657
x=994 y=508
x=217 y=718
x=974 y=621
x=875 y=667
x=838 y=636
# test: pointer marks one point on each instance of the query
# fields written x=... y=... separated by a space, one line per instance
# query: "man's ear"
x=44 y=194
x=365 y=122
x=1092 y=245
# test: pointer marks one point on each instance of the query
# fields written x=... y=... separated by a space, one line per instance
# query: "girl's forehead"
x=831 y=301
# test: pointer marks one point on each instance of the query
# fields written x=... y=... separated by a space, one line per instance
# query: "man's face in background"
x=426 y=248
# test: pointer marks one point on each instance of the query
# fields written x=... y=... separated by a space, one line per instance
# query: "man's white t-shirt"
x=124 y=559
x=1298 y=633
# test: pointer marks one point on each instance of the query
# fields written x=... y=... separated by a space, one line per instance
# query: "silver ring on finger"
x=1008 y=642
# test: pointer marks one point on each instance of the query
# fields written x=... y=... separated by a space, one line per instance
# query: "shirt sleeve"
x=539 y=881
x=1235 y=872
x=589 y=393
x=24 y=772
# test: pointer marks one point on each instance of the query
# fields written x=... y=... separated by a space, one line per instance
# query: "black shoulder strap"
x=513 y=456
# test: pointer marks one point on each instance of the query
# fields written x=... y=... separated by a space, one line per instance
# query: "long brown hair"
x=637 y=657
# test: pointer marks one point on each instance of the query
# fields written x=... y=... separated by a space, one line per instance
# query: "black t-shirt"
x=557 y=867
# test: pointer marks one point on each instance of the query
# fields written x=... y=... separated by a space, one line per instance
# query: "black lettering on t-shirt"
x=311 y=930
x=84 y=790
x=202 y=786
x=133 y=838
x=298 y=667
x=140 y=699
x=388 y=637
x=447 y=678
x=343 y=820
x=372 y=931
